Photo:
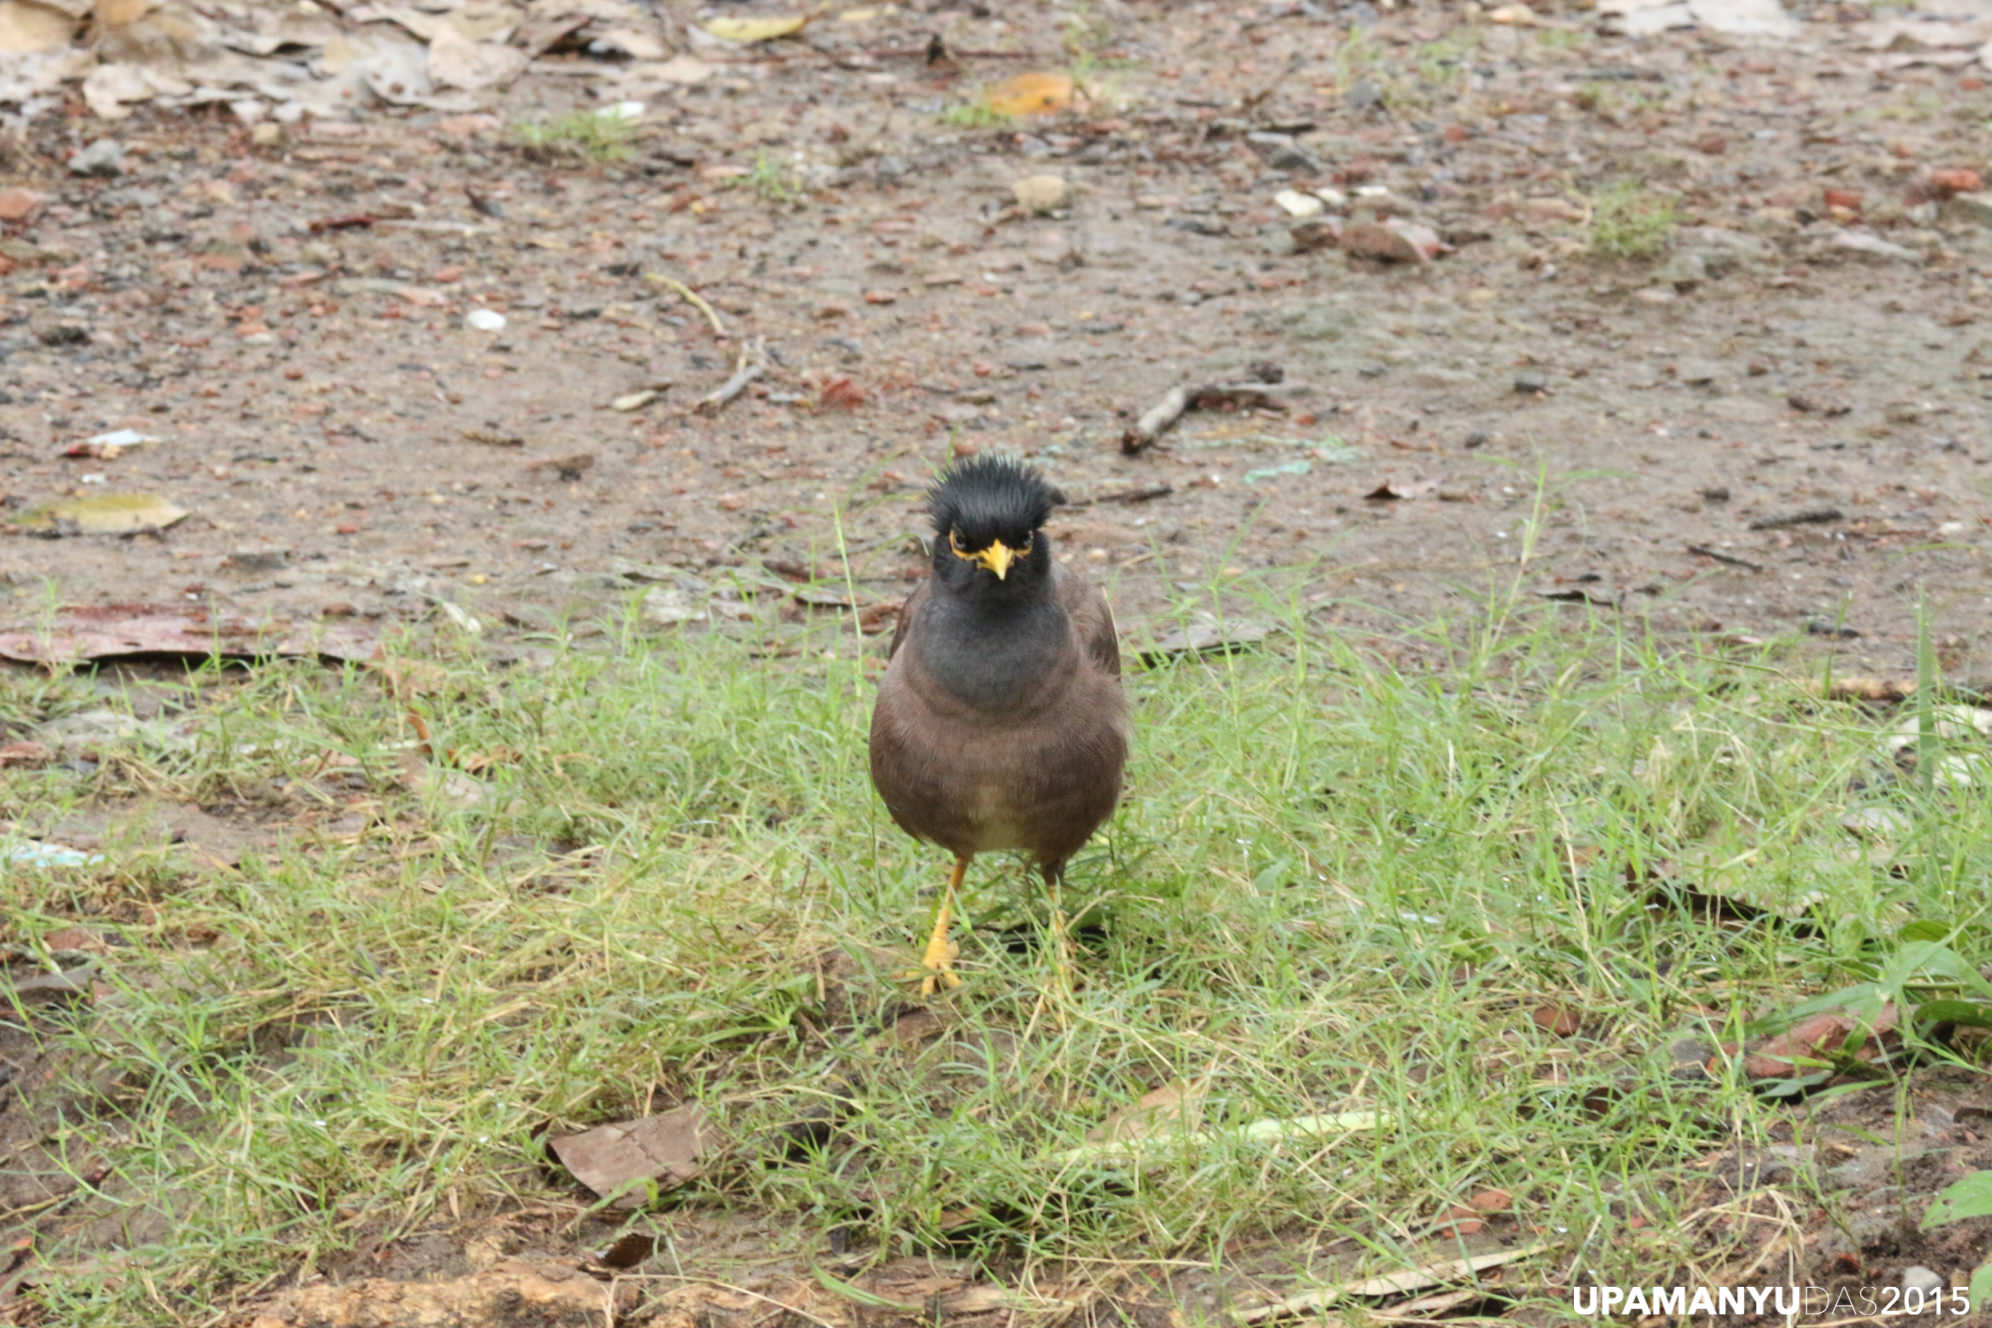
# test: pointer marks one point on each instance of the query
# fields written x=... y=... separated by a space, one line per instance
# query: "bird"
x=1000 y=723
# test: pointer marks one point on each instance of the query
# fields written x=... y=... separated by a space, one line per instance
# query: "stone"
x=1974 y=208
x=1927 y=1281
x=1282 y=153
x=1873 y=246
x=1040 y=193
x=20 y=204
x=1291 y=201
x=102 y=160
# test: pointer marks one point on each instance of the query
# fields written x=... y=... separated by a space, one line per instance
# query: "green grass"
x=974 y=115
x=1337 y=883
x=599 y=136
x=773 y=181
x=1630 y=221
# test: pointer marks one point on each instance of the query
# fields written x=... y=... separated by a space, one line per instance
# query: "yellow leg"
x=1062 y=970
x=937 y=964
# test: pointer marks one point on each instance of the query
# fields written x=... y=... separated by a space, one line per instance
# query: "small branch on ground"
x=691 y=297
x=1722 y=557
x=1804 y=516
x=1162 y=416
x=1156 y=421
x=1129 y=496
x=751 y=364
x=1892 y=691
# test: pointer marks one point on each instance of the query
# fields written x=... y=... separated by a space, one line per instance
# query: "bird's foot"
x=936 y=972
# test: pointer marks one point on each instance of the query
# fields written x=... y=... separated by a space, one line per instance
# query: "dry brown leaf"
x=1170 y=1109
x=120 y=13
x=1812 y=1042
x=1388 y=1284
x=1031 y=94
x=25 y=753
x=1552 y=1017
x=616 y=1160
x=26 y=27
x=112 y=631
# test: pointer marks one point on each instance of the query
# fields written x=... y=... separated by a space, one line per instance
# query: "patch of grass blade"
x=1338 y=882
x=974 y=115
x=1630 y=221
x=600 y=136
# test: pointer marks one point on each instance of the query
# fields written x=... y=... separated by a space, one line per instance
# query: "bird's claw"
x=936 y=972
x=944 y=980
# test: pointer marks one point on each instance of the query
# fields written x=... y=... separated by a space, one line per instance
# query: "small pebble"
x=1926 y=1280
x=102 y=160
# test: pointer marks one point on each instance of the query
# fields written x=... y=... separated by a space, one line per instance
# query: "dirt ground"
x=285 y=314
x=1774 y=425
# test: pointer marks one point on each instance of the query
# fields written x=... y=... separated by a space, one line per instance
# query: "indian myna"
x=1000 y=723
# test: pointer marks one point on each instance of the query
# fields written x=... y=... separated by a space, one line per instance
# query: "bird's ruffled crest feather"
x=987 y=498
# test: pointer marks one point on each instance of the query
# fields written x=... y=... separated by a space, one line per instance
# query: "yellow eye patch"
x=998 y=557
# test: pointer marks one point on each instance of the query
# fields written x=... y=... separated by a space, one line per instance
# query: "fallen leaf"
x=457 y=62
x=26 y=27
x=1813 y=1041
x=1204 y=639
x=1170 y=1109
x=1558 y=1019
x=1312 y=1129
x=103 y=514
x=685 y=70
x=1030 y=94
x=25 y=753
x=746 y=31
x=1397 y=491
x=628 y=1250
x=76 y=633
x=108 y=446
x=1459 y=1221
x=840 y=393
x=1388 y=1284
x=79 y=939
x=121 y=13
x=616 y=1160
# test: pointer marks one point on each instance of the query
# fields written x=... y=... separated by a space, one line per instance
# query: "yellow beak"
x=997 y=558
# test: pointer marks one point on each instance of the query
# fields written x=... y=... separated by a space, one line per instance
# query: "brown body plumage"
x=1000 y=724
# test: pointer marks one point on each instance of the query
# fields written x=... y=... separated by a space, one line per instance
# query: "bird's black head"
x=989 y=514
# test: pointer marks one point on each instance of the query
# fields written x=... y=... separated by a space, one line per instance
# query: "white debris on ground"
x=285 y=61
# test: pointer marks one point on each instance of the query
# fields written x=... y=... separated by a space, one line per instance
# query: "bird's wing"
x=1092 y=618
x=906 y=614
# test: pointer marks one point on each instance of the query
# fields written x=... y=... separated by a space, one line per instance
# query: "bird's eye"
x=954 y=542
x=1024 y=549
